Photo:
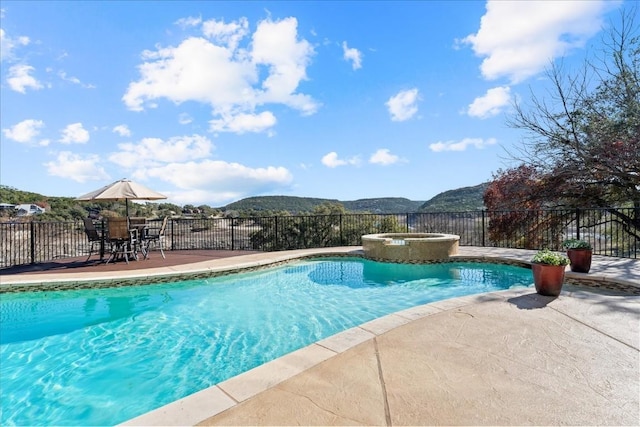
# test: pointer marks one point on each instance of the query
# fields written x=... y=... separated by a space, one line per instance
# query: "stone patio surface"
x=503 y=358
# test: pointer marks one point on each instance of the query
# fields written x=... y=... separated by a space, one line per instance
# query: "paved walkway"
x=502 y=358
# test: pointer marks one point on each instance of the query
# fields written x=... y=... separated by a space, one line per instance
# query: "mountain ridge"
x=461 y=199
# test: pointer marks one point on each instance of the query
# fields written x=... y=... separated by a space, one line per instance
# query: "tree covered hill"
x=67 y=208
x=277 y=204
x=461 y=199
x=297 y=205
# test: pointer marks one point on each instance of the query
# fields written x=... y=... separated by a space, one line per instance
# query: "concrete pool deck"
x=502 y=358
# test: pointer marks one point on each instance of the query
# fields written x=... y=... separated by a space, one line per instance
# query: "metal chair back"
x=90 y=230
x=118 y=229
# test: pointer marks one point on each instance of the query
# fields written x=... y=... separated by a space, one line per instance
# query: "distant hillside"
x=14 y=196
x=278 y=203
x=462 y=199
x=383 y=205
x=295 y=205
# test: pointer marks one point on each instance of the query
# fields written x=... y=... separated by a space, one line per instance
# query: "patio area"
x=503 y=358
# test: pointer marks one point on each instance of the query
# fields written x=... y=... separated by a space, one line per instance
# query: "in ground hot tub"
x=409 y=247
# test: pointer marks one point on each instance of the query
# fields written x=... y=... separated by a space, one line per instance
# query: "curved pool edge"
x=606 y=272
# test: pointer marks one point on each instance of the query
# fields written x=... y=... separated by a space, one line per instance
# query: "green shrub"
x=545 y=256
x=576 y=244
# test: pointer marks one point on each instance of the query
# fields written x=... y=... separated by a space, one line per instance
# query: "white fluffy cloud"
x=155 y=151
x=491 y=104
x=238 y=83
x=462 y=145
x=8 y=44
x=218 y=180
x=241 y=123
x=74 y=134
x=76 y=167
x=20 y=78
x=25 y=131
x=122 y=130
x=403 y=105
x=331 y=160
x=383 y=157
x=517 y=39
x=353 y=55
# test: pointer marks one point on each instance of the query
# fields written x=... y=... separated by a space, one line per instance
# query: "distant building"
x=29 y=209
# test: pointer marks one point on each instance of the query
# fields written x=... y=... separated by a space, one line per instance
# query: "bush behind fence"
x=35 y=242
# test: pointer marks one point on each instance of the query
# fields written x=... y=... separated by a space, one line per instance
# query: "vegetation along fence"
x=611 y=232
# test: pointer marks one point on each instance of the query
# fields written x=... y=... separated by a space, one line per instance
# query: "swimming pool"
x=100 y=357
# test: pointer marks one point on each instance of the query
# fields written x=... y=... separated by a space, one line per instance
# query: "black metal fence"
x=611 y=232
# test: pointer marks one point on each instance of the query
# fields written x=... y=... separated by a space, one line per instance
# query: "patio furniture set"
x=125 y=238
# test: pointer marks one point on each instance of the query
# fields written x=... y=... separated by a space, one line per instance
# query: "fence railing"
x=611 y=232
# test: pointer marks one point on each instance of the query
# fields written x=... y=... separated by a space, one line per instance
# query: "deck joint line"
x=387 y=412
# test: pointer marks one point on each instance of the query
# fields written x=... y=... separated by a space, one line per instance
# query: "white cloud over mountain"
x=218 y=179
x=76 y=167
x=383 y=157
x=331 y=160
x=155 y=151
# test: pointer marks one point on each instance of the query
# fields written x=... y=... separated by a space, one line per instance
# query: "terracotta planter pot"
x=580 y=259
x=548 y=279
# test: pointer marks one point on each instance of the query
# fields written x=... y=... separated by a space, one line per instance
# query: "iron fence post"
x=578 y=223
x=173 y=244
x=32 y=226
x=233 y=234
x=102 y=238
x=483 y=227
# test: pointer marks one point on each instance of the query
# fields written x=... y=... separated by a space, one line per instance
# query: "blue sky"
x=211 y=102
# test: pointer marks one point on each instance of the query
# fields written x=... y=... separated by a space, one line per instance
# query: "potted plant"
x=548 y=272
x=579 y=253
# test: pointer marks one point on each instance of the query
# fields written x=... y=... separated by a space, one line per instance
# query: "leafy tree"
x=582 y=145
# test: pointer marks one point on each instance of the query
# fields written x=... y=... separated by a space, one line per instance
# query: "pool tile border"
x=582 y=279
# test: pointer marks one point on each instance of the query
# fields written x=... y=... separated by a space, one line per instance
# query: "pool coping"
x=609 y=277
x=611 y=274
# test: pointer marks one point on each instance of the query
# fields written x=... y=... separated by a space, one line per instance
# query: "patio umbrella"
x=123 y=190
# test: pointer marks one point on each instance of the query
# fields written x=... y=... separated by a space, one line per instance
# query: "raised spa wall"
x=409 y=247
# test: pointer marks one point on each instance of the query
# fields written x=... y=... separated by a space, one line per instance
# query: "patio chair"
x=140 y=224
x=92 y=235
x=123 y=240
x=155 y=236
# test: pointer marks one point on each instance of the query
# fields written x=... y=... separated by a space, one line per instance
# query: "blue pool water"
x=100 y=357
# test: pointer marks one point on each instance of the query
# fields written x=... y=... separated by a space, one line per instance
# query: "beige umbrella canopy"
x=123 y=189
